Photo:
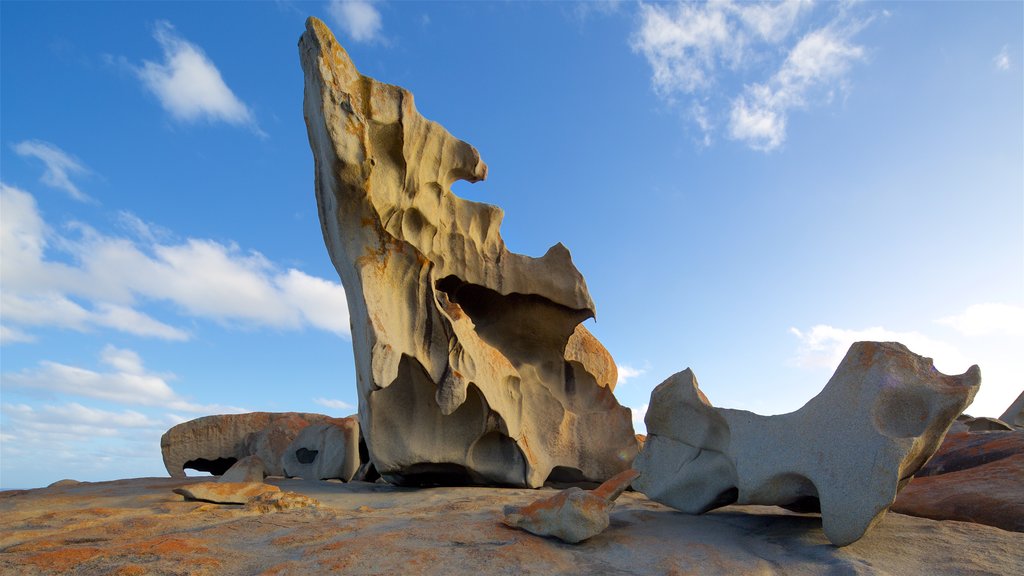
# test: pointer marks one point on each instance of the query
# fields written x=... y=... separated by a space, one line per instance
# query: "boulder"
x=472 y=364
x=214 y=443
x=983 y=424
x=248 y=469
x=973 y=477
x=324 y=451
x=224 y=492
x=846 y=453
x=1014 y=414
x=573 y=515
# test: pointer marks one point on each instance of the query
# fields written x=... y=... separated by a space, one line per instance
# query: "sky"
x=748 y=188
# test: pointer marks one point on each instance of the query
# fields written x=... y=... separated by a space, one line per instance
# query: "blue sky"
x=747 y=188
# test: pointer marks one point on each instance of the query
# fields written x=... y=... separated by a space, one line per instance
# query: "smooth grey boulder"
x=472 y=364
x=248 y=469
x=324 y=451
x=846 y=453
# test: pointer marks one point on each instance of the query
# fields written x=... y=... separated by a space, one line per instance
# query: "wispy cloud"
x=103 y=281
x=701 y=52
x=59 y=166
x=627 y=373
x=189 y=85
x=359 y=19
x=820 y=60
x=333 y=404
x=1002 y=60
x=126 y=382
x=988 y=319
x=824 y=346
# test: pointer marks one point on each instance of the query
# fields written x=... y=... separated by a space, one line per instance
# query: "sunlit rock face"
x=472 y=364
x=846 y=453
x=215 y=443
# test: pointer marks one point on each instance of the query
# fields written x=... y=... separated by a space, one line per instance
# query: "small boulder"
x=572 y=515
x=248 y=469
x=324 y=451
x=224 y=492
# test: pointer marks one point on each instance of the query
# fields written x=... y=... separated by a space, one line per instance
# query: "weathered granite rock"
x=973 y=477
x=214 y=443
x=279 y=501
x=472 y=365
x=847 y=452
x=573 y=515
x=324 y=451
x=224 y=492
x=1014 y=414
x=248 y=469
x=136 y=526
x=983 y=424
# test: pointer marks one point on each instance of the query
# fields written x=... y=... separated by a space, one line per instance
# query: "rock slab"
x=847 y=452
x=225 y=492
x=139 y=527
x=472 y=364
x=973 y=477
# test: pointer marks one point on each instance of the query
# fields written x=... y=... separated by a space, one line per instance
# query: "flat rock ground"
x=139 y=526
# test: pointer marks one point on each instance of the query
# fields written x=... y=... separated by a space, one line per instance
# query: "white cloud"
x=109 y=278
x=189 y=85
x=1002 y=60
x=333 y=404
x=702 y=51
x=988 y=319
x=128 y=383
x=59 y=166
x=627 y=373
x=11 y=335
x=825 y=346
x=359 y=19
x=819 y=59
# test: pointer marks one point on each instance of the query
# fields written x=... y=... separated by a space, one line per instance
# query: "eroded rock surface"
x=472 y=364
x=973 y=477
x=323 y=451
x=846 y=452
x=573 y=515
x=139 y=527
x=214 y=443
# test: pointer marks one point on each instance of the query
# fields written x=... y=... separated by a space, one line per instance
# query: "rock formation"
x=224 y=492
x=1014 y=414
x=323 y=451
x=471 y=361
x=248 y=469
x=573 y=515
x=973 y=477
x=214 y=443
x=846 y=452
